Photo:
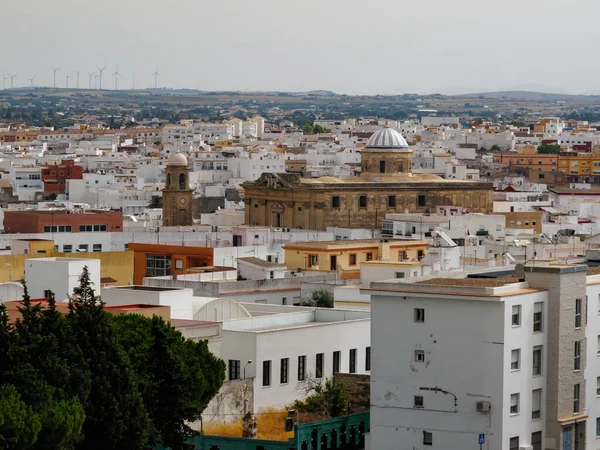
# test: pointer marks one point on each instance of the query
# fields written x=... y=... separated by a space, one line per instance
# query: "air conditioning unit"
x=483 y=406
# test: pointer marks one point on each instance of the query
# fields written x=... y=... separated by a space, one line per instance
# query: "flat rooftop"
x=470 y=282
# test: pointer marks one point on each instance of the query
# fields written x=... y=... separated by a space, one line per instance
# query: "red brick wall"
x=55 y=176
x=34 y=222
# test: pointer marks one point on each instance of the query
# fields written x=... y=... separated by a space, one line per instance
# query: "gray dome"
x=387 y=138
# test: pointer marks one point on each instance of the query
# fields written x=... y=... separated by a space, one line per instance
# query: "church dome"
x=177 y=159
x=386 y=139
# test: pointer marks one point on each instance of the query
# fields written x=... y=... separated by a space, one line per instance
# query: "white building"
x=59 y=275
x=454 y=359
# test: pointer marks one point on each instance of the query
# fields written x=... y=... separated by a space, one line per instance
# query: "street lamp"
x=443 y=391
x=249 y=362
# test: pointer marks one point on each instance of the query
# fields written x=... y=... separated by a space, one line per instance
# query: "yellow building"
x=117 y=266
x=345 y=257
x=385 y=185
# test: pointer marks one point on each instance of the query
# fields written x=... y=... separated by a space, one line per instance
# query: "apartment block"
x=508 y=362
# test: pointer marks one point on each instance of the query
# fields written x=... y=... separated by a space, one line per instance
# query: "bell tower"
x=177 y=195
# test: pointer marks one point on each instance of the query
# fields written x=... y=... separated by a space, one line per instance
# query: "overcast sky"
x=346 y=46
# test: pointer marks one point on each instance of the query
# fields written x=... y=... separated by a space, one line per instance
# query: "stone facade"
x=383 y=161
x=177 y=197
x=286 y=200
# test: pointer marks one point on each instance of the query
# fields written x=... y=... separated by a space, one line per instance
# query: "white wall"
x=60 y=275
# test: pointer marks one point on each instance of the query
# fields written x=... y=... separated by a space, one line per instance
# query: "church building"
x=177 y=195
x=385 y=185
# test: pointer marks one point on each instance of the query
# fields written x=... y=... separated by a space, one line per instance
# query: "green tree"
x=318 y=129
x=327 y=399
x=116 y=417
x=156 y=202
x=178 y=377
x=548 y=149
x=320 y=298
x=308 y=128
x=19 y=425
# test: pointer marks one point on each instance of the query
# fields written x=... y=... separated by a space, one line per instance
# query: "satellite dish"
x=520 y=271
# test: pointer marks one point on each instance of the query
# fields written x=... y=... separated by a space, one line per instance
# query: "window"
x=536 y=404
x=352 y=259
x=598 y=348
x=399 y=274
x=368 y=359
x=427 y=438
x=319 y=366
x=83 y=247
x=537 y=316
x=67 y=248
x=577 y=355
x=514 y=443
x=421 y=200
x=598 y=426
x=536 y=440
x=158 y=266
x=418 y=401
x=266 y=373
x=97 y=247
x=576 y=389
x=419 y=315
x=516 y=315
x=577 y=313
x=313 y=260
x=283 y=373
x=514 y=404
x=537 y=360
x=335 y=201
x=515 y=357
x=234 y=369
x=598 y=386
x=391 y=201
x=336 y=361
x=352 y=363
x=301 y=367
x=419 y=356
x=369 y=256
x=362 y=201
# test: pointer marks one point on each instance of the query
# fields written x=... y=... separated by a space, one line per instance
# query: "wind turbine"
x=156 y=75
x=67 y=83
x=96 y=80
x=91 y=75
x=31 y=80
x=55 y=69
x=4 y=78
x=101 y=70
x=116 y=75
x=78 y=72
x=12 y=79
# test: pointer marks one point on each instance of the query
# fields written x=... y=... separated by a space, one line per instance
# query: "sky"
x=346 y=46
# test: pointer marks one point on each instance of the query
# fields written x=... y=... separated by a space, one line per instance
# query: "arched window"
x=182 y=181
x=168 y=180
x=277 y=220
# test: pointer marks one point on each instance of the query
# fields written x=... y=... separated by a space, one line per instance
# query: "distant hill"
x=528 y=96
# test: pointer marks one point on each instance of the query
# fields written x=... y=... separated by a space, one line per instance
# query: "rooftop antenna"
x=90 y=76
x=156 y=77
x=12 y=79
x=31 y=80
x=117 y=75
x=67 y=83
x=78 y=72
x=101 y=69
x=55 y=69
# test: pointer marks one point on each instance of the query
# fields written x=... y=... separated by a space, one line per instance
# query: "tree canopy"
x=319 y=298
x=91 y=380
x=548 y=149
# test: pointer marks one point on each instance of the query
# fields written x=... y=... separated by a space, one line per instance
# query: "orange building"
x=156 y=260
x=529 y=159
